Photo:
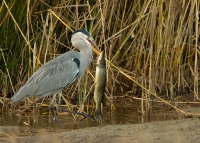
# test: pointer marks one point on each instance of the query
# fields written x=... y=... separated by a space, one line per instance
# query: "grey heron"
x=59 y=72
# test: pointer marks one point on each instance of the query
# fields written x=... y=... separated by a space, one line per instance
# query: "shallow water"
x=126 y=112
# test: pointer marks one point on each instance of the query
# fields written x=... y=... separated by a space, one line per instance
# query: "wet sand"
x=177 y=131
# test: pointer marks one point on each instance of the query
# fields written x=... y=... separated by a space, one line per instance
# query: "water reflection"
x=126 y=112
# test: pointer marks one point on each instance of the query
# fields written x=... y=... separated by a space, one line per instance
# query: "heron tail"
x=21 y=94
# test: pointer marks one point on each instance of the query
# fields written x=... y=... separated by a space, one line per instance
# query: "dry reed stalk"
x=196 y=50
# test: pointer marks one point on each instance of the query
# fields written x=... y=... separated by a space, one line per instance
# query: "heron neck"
x=86 y=59
x=87 y=52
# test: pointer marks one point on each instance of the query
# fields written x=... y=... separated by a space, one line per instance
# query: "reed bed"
x=152 y=47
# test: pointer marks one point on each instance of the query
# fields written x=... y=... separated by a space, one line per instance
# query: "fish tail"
x=98 y=114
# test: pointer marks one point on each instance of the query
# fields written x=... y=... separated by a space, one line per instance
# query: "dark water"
x=126 y=112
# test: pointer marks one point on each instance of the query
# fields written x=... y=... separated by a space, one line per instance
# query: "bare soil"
x=177 y=131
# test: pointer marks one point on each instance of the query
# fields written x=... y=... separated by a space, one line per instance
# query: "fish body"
x=100 y=83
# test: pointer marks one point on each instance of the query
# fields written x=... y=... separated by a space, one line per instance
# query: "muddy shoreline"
x=177 y=131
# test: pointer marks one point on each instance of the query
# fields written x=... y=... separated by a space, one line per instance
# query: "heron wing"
x=51 y=77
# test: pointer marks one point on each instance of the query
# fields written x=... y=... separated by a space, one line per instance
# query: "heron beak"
x=94 y=45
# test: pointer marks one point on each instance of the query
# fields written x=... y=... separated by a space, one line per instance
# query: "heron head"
x=81 y=39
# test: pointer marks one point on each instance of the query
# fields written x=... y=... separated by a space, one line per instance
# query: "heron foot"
x=74 y=112
x=54 y=114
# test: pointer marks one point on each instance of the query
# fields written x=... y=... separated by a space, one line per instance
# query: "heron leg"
x=52 y=110
x=59 y=101
x=73 y=112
